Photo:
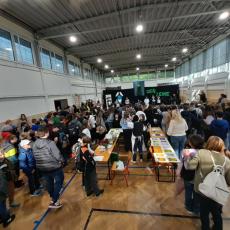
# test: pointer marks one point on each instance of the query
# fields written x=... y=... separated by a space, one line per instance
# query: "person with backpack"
x=212 y=176
x=49 y=162
x=89 y=169
x=194 y=144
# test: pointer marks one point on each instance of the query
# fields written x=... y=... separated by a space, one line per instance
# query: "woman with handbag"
x=204 y=163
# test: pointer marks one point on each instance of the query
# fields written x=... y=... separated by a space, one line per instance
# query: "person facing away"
x=90 y=176
x=203 y=164
x=220 y=127
x=137 y=138
x=177 y=132
x=49 y=162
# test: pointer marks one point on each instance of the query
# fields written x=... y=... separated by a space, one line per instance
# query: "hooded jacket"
x=26 y=160
x=47 y=155
x=219 y=127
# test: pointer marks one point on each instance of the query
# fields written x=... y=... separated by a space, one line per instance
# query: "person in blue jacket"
x=28 y=165
x=220 y=127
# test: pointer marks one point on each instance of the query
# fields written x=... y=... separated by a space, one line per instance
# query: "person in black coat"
x=90 y=175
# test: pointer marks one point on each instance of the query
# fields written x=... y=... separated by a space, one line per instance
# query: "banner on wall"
x=139 y=88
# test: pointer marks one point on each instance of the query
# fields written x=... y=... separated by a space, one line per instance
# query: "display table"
x=163 y=155
x=102 y=154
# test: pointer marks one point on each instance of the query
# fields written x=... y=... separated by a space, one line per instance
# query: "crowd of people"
x=41 y=148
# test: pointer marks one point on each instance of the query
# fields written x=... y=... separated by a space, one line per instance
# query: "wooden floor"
x=145 y=204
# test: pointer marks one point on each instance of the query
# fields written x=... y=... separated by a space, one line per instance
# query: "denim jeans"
x=54 y=181
x=178 y=143
x=208 y=206
x=4 y=213
x=33 y=181
x=191 y=199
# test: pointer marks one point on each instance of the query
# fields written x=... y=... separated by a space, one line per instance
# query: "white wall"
x=31 y=90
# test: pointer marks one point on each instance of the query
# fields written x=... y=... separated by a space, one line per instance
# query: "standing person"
x=28 y=166
x=90 y=176
x=195 y=143
x=146 y=101
x=177 y=132
x=153 y=100
x=5 y=177
x=127 y=101
x=220 y=127
x=49 y=162
x=137 y=138
x=203 y=163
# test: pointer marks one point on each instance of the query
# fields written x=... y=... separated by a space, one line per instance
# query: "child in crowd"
x=195 y=143
x=90 y=176
x=35 y=125
x=28 y=166
x=5 y=177
x=10 y=153
x=49 y=162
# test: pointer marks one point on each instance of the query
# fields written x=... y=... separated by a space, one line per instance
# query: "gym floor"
x=144 y=204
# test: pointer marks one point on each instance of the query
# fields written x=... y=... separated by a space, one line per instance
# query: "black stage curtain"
x=168 y=94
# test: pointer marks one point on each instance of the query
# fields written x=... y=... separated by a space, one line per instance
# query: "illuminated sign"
x=156 y=93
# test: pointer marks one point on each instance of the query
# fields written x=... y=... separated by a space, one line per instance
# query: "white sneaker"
x=134 y=162
x=141 y=160
x=55 y=205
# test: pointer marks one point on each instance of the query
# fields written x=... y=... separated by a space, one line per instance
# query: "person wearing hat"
x=28 y=166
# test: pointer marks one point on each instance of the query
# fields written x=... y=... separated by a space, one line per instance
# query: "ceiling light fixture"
x=106 y=66
x=137 y=68
x=112 y=71
x=139 y=28
x=166 y=65
x=185 y=50
x=174 y=59
x=99 y=60
x=73 y=38
x=224 y=15
x=138 y=56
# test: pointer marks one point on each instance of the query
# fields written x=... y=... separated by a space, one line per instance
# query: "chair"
x=124 y=172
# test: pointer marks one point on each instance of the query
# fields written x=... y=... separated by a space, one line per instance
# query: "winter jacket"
x=3 y=185
x=10 y=152
x=47 y=155
x=26 y=160
x=219 y=128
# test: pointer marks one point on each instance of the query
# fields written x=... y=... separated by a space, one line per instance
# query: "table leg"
x=109 y=176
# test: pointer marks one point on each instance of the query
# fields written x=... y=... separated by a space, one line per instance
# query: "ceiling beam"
x=57 y=31
x=174 y=42
x=120 y=39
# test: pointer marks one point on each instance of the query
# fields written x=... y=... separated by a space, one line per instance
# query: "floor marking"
x=142 y=213
x=38 y=222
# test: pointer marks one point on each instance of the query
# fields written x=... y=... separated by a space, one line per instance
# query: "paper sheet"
x=98 y=158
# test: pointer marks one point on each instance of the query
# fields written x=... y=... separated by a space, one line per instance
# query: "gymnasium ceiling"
x=106 y=28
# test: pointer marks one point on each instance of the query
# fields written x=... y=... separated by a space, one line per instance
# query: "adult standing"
x=177 y=132
x=49 y=162
x=203 y=164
